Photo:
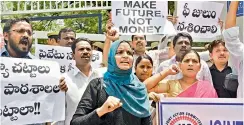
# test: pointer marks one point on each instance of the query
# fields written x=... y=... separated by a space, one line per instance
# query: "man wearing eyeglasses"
x=18 y=39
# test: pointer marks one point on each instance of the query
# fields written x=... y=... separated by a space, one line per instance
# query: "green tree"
x=171 y=6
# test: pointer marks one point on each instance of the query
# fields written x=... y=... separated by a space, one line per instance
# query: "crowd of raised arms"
x=135 y=78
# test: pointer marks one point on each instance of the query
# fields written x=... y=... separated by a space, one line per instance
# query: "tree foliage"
x=80 y=25
x=171 y=7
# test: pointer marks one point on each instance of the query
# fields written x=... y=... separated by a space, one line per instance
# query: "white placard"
x=96 y=59
x=199 y=18
x=29 y=91
x=63 y=55
x=139 y=17
x=200 y=111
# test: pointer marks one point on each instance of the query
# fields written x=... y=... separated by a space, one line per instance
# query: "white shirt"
x=204 y=55
x=204 y=73
x=236 y=49
x=76 y=82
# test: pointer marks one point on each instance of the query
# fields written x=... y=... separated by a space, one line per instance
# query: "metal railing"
x=33 y=7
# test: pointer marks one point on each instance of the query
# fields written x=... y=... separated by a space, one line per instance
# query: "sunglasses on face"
x=21 y=31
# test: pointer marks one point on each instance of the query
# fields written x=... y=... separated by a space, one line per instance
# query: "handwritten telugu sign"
x=63 y=55
x=139 y=17
x=200 y=19
x=29 y=91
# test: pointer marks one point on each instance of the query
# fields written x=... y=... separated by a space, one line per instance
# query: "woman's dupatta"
x=200 y=89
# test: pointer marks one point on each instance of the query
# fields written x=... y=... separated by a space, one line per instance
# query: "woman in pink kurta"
x=187 y=86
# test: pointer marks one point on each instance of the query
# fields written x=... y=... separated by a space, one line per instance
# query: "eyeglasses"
x=23 y=31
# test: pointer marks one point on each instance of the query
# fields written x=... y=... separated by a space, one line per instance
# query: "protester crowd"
x=136 y=78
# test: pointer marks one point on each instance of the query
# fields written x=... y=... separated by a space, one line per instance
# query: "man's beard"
x=17 y=50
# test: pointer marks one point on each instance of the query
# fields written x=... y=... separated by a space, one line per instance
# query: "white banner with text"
x=63 y=55
x=199 y=18
x=29 y=92
x=140 y=17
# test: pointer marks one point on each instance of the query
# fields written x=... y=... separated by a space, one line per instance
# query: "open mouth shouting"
x=24 y=42
x=125 y=62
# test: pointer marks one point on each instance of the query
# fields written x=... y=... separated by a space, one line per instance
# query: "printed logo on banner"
x=225 y=122
x=200 y=111
x=183 y=118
